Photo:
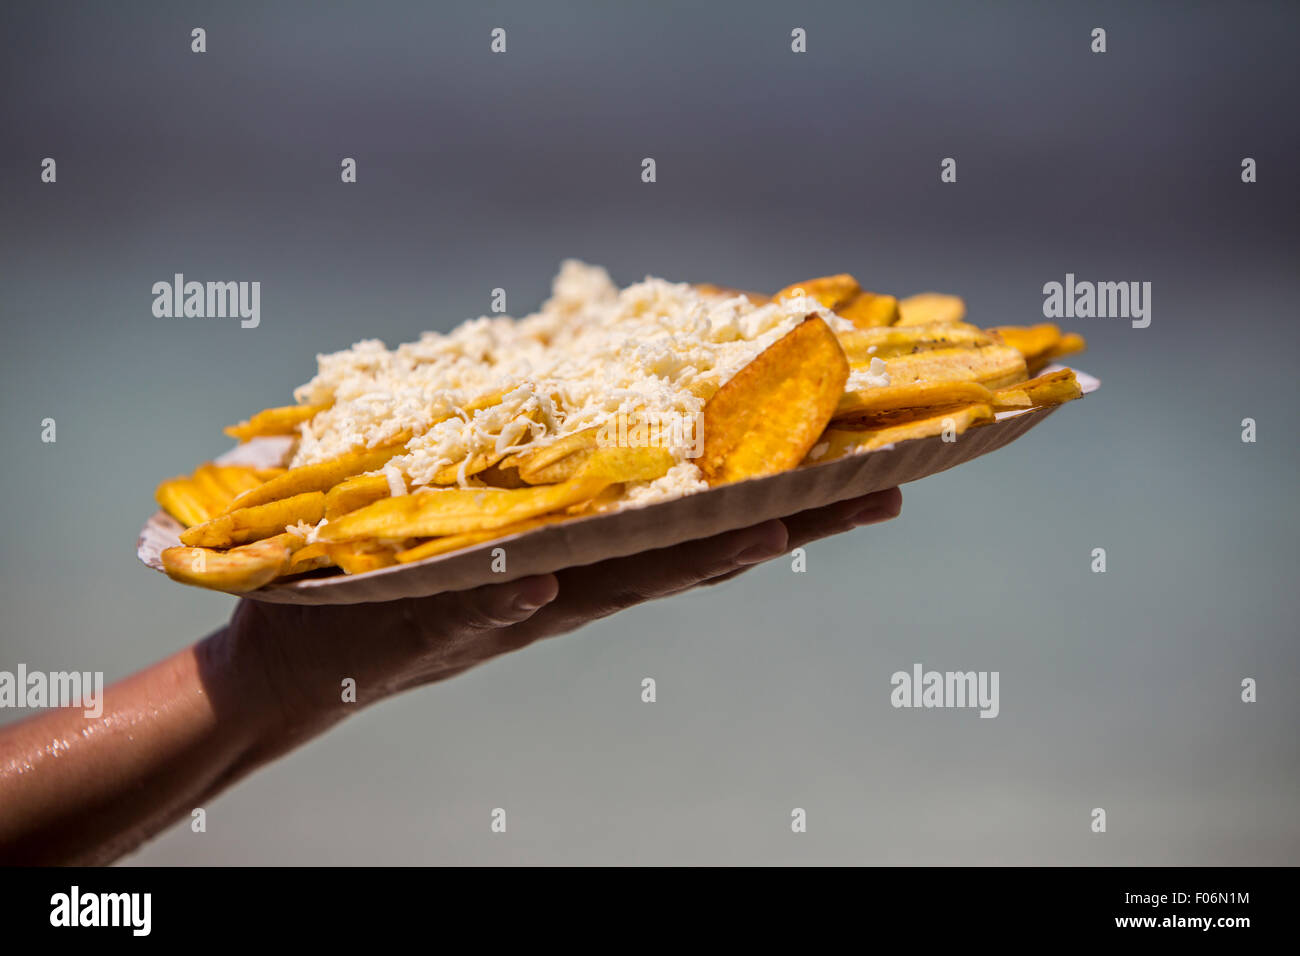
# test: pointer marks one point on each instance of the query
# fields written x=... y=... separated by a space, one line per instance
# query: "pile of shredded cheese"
x=590 y=353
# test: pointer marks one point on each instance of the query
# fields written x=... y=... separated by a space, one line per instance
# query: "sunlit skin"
x=173 y=736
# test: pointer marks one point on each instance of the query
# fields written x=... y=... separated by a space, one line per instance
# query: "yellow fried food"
x=283 y=420
x=869 y=310
x=1050 y=389
x=260 y=521
x=454 y=542
x=321 y=476
x=309 y=558
x=360 y=557
x=830 y=291
x=917 y=395
x=180 y=499
x=769 y=415
x=841 y=441
x=354 y=493
x=428 y=514
x=929 y=308
x=990 y=365
x=556 y=461
x=245 y=568
x=862 y=345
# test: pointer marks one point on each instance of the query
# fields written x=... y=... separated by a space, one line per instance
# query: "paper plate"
x=633 y=530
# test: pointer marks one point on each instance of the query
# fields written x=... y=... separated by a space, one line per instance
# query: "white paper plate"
x=599 y=537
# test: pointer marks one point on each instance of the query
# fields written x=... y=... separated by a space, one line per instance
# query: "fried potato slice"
x=354 y=493
x=990 y=365
x=726 y=292
x=862 y=345
x=260 y=521
x=837 y=441
x=930 y=308
x=868 y=310
x=283 y=420
x=360 y=557
x=1050 y=389
x=427 y=514
x=771 y=413
x=830 y=291
x=240 y=569
x=321 y=476
x=180 y=499
x=917 y=395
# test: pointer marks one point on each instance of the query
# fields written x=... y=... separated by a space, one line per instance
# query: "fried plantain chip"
x=917 y=395
x=830 y=291
x=427 y=514
x=180 y=499
x=354 y=493
x=309 y=557
x=360 y=557
x=990 y=365
x=454 y=542
x=837 y=441
x=321 y=476
x=1031 y=341
x=556 y=461
x=929 y=308
x=260 y=521
x=767 y=417
x=869 y=310
x=862 y=345
x=240 y=569
x=1050 y=389
x=283 y=420
x=1070 y=343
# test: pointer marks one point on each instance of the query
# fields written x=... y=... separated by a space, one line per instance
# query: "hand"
x=306 y=652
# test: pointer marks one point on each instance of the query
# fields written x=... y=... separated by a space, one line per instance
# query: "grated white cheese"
x=873 y=377
x=591 y=352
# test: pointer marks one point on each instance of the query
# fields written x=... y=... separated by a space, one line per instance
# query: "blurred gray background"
x=1119 y=690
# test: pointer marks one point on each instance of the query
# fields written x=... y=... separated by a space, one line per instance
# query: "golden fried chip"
x=180 y=499
x=428 y=514
x=1032 y=341
x=454 y=542
x=309 y=557
x=260 y=521
x=767 y=417
x=830 y=291
x=862 y=345
x=917 y=395
x=555 y=461
x=1070 y=343
x=360 y=557
x=354 y=493
x=929 y=308
x=498 y=476
x=1050 y=389
x=842 y=441
x=869 y=310
x=615 y=464
x=990 y=365
x=283 y=420
x=240 y=569
x=321 y=476
x=237 y=479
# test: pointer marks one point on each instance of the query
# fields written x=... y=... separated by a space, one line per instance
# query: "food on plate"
x=603 y=399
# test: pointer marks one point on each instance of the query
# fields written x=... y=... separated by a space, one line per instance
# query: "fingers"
x=807 y=526
x=598 y=590
x=486 y=608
